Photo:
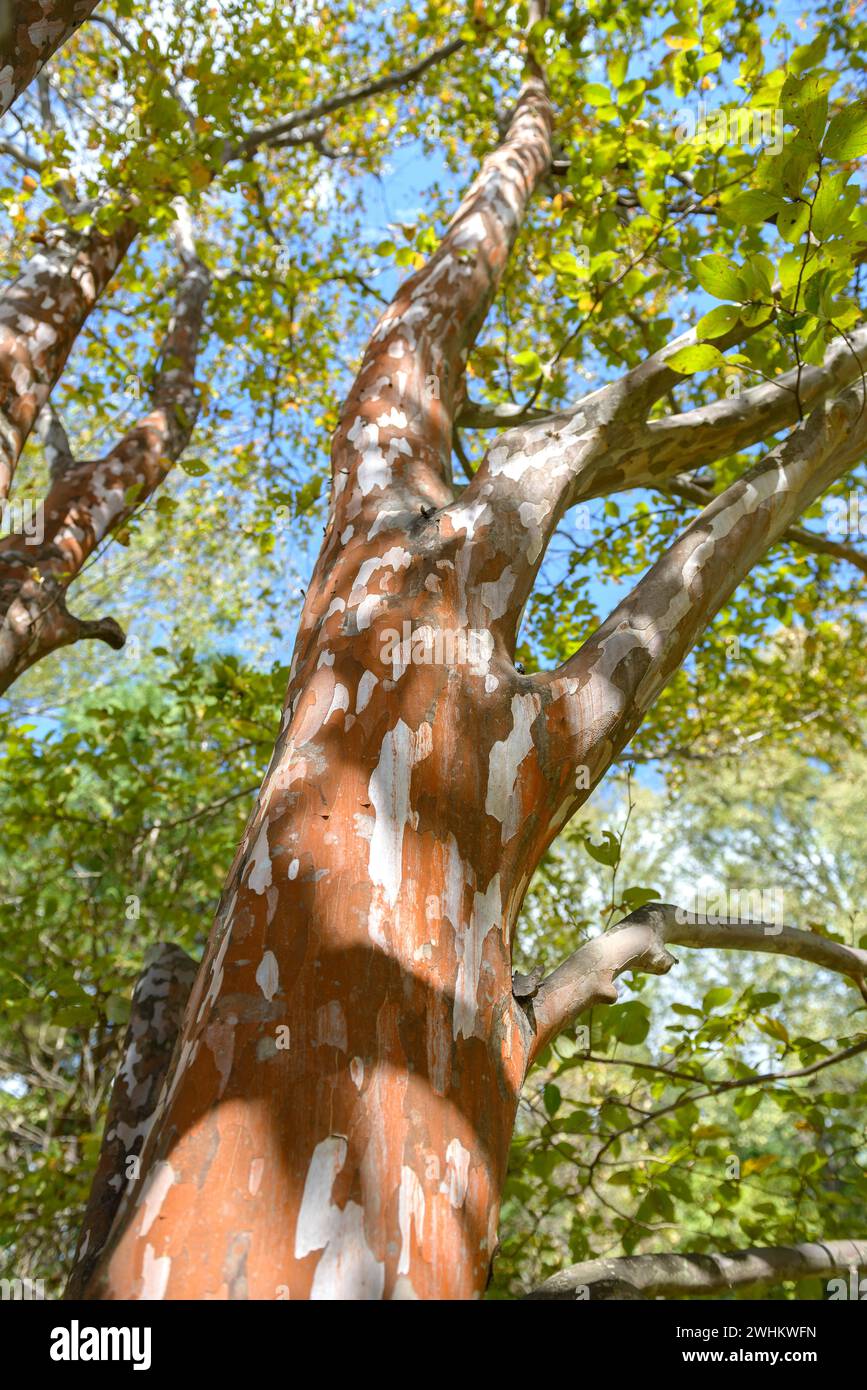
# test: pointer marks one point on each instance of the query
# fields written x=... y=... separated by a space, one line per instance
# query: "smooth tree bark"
x=640 y=942
x=337 y=1117
x=30 y=31
x=698 y=1276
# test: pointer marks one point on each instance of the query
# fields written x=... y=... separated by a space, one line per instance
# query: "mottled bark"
x=30 y=31
x=697 y=1276
x=90 y=499
x=596 y=700
x=158 y=1004
x=41 y=314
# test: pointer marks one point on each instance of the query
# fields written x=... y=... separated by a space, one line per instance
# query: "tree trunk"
x=339 y=1118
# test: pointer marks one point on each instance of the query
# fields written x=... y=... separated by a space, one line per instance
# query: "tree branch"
x=795 y=535
x=21 y=157
x=675 y=1276
x=598 y=698
x=395 y=432
x=277 y=131
x=93 y=498
x=41 y=315
x=641 y=941
x=697 y=437
x=604 y=444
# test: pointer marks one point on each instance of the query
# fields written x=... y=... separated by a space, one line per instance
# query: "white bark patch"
x=268 y=975
x=314 y=1218
x=339 y=701
x=157 y=1187
x=467 y=515
x=367 y=610
x=453 y=896
x=532 y=516
x=410 y=1213
x=365 y=690
x=347 y=1269
x=356 y=1071
x=457 y=1178
x=502 y=800
x=155 y=1275
x=394 y=559
x=563 y=453
x=403 y=1291
x=316 y=704
x=470 y=946
x=373 y=469
x=496 y=593
x=254 y=1180
x=389 y=791
x=259 y=877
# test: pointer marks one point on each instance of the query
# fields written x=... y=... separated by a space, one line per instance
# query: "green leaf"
x=551 y=1098
x=701 y=357
x=629 y=1022
x=567 y=263
x=793 y=221
x=719 y=277
x=753 y=207
x=634 y=898
x=717 y=322
x=617 y=65
x=747 y=1103
x=608 y=852
x=715 y=998
x=846 y=136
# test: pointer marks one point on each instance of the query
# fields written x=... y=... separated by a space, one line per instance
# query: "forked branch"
x=641 y=942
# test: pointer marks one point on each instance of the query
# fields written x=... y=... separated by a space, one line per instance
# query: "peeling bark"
x=360 y=964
